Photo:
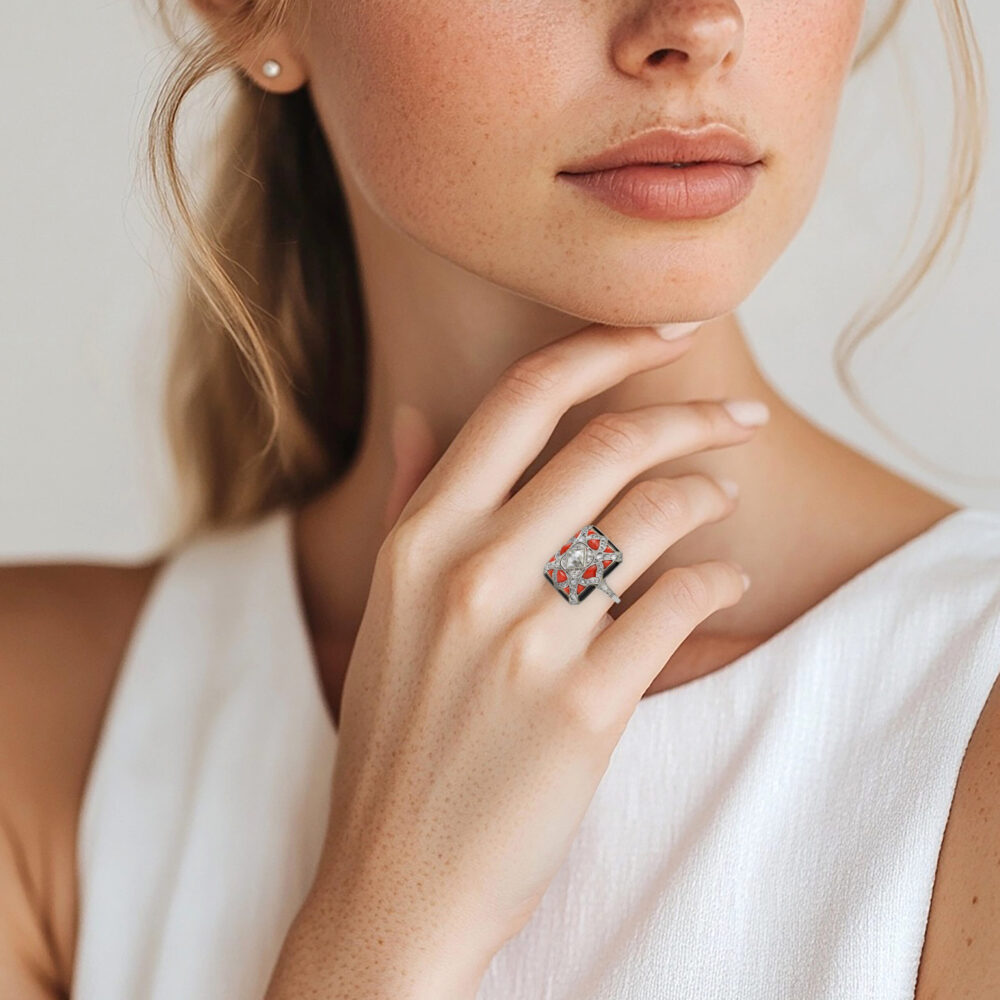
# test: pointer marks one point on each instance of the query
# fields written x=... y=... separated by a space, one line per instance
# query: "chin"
x=636 y=297
x=663 y=273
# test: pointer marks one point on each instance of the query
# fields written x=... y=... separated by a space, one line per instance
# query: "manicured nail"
x=748 y=412
x=730 y=487
x=674 y=331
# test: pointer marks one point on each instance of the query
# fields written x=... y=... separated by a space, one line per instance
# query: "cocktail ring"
x=581 y=565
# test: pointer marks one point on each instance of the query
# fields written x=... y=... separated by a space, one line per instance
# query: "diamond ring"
x=580 y=566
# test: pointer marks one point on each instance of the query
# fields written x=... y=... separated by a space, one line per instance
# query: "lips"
x=672 y=175
x=714 y=144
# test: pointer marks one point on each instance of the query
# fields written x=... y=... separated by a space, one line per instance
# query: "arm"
x=26 y=968
x=962 y=954
x=349 y=950
x=63 y=630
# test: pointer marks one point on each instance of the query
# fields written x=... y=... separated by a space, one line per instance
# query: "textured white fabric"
x=768 y=831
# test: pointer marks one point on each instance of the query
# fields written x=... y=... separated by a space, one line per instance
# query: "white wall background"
x=85 y=278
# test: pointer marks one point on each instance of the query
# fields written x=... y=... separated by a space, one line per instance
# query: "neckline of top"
x=734 y=668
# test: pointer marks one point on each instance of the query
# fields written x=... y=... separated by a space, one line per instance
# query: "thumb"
x=414 y=455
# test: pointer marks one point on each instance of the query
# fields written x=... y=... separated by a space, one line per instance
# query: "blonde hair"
x=264 y=396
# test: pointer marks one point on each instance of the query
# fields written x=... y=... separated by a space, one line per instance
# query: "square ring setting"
x=580 y=566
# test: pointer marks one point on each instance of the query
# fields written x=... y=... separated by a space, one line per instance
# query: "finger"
x=413 y=450
x=653 y=515
x=588 y=472
x=509 y=427
x=624 y=659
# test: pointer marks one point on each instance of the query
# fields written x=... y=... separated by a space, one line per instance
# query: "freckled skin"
x=452 y=118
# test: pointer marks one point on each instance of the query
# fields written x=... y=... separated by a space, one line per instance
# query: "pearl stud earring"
x=271 y=68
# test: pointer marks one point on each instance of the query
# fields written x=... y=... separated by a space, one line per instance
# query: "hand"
x=480 y=709
x=413 y=454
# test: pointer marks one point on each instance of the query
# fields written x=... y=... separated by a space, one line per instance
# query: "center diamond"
x=576 y=558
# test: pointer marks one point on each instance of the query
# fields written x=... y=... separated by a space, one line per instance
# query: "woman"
x=452 y=686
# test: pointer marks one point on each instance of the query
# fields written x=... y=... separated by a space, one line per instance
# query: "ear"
x=273 y=63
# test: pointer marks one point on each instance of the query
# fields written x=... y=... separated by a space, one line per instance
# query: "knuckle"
x=612 y=436
x=404 y=547
x=527 y=646
x=659 y=504
x=468 y=590
x=585 y=707
x=531 y=378
x=689 y=592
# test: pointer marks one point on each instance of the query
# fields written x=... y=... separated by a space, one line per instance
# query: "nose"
x=683 y=37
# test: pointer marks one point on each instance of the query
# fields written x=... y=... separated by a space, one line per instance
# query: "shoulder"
x=63 y=632
x=962 y=946
x=961 y=955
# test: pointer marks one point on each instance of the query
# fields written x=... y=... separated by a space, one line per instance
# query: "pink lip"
x=634 y=177
x=660 y=193
x=714 y=142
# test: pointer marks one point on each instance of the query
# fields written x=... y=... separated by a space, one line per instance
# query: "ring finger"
x=653 y=515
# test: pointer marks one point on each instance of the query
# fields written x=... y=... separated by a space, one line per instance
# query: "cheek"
x=798 y=55
x=425 y=101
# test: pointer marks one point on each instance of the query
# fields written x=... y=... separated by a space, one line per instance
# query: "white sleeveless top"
x=769 y=831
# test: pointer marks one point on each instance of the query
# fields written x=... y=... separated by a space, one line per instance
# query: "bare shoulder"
x=961 y=955
x=63 y=633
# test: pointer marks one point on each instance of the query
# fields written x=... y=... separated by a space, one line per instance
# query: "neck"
x=439 y=338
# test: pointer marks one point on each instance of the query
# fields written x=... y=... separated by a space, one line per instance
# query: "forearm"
x=367 y=950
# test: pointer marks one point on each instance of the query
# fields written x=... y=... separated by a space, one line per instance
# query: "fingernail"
x=748 y=412
x=674 y=331
x=731 y=488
